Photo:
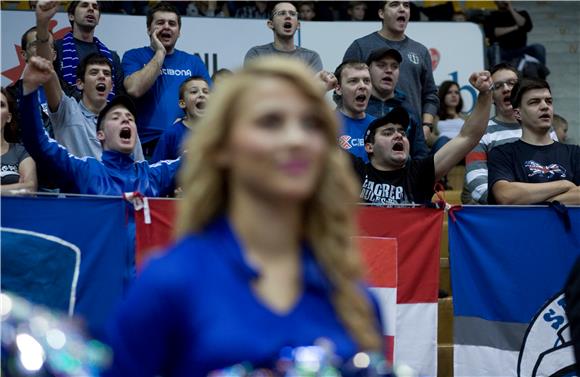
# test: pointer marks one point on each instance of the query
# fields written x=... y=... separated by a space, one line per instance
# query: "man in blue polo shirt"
x=154 y=74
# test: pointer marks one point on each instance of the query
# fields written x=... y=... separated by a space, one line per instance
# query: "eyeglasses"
x=284 y=13
x=498 y=85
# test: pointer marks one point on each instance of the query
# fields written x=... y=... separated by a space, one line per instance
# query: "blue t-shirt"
x=352 y=134
x=194 y=310
x=159 y=106
x=170 y=145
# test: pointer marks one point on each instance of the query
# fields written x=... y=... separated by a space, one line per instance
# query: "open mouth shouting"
x=506 y=102
x=361 y=99
x=287 y=26
x=101 y=87
x=125 y=134
x=399 y=146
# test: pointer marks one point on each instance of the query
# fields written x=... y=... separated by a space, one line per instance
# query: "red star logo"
x=14 y=73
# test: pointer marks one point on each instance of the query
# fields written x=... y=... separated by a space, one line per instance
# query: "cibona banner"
x=456 y=47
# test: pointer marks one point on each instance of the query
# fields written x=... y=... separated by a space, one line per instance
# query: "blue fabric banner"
x=98 y=227
x=508 y=268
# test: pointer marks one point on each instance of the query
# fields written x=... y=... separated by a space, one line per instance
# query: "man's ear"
x=517 y=115
x=338 y=89
x=71 y=17
x=24 y=54
x=9 y=118
x=80 y=85
x=369 y=147
x=101 y=135
x=382 y=14
x=270 y=25
x=181 y=104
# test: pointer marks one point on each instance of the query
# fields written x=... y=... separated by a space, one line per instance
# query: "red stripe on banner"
x=418 y=233
x=417 y=230
x=152 y=238
x=380 y=257
x=389 y=348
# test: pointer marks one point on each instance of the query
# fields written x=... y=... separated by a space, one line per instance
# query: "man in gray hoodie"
x=416 y=73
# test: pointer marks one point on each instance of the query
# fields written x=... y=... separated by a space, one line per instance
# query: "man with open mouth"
x=384 y=66
x=117 y=172
x=284 y=23
x=391 y=177
x=352 y=96
x=535 y=168
x=155 y=72
x=74 y=122
x=416 y=72
x=84 y=16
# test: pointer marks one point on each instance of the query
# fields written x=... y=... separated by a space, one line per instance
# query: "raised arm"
x=45 y=10
x=34 y=137
x=472 y=130
x=139 y=82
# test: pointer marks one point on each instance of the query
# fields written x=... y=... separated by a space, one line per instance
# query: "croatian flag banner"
x=380 y=257
x=412 y=325
x=508 y=269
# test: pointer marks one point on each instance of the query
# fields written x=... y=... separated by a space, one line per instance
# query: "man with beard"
x=84 y=16
x=284 y=23
x=154 y=74
x=416 y=71
x=352 y=96
x=502 y=128
x=391 y=178
x=535 y=168
x=384 y=66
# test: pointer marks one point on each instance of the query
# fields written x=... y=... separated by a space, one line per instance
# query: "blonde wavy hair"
x=329 y=213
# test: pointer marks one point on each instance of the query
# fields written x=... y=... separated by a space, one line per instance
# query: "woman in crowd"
x=450 y=120
x=18 y=170
x=264 y=259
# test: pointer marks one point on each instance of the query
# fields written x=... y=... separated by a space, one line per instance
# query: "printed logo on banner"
x=413 y=58
x=547 y=346
x=435 y=57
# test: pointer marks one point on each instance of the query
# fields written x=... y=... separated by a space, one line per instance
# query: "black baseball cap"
x=380 y=53
x=397 y=115
x=125 y=101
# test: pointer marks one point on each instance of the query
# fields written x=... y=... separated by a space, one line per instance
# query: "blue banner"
x=98 y=227
x=508 y=269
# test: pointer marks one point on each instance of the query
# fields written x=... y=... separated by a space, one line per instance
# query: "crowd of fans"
x=96 y=123
x=76 y=78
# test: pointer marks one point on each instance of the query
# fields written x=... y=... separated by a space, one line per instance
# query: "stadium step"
x=445 y=337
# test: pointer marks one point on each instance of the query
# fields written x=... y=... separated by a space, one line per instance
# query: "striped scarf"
x=70 y=60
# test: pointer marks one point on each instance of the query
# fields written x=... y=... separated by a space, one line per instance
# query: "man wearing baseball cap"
x=384 y=66
x=391 y=177
x=117 y=172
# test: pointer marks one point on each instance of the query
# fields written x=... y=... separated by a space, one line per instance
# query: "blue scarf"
x=70 y=60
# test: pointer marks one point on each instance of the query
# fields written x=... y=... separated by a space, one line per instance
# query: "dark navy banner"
x=508 y=269
x=97 y=227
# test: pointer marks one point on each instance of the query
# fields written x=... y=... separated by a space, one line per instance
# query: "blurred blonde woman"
x=263 y=258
